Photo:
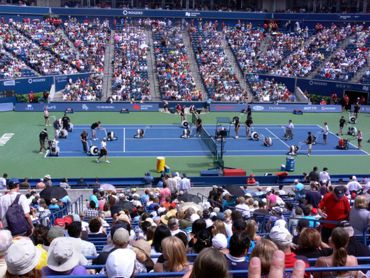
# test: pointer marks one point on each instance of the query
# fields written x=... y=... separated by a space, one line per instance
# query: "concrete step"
x=152 y=71
x=193 y=64
x=238 y=72
x=108 y=69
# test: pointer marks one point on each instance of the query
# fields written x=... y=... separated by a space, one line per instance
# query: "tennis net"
x=209 y=141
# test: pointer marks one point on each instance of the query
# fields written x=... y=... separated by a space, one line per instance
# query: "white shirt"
x=324 y=176
x=353 y=186
x=185 y=184
x=244 y=209
x=2 y=183
x=87 y=248
x=325 y=130
x=7 y=200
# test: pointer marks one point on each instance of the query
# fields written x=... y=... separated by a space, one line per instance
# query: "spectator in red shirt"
x=334 y=207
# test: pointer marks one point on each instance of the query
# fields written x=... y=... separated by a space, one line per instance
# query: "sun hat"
x=143 y=246
x=121 y=236
x=64 y=254
x=120 y=263
x=219 y=241
x=168 y=215
x=6 y=240
x=22 y=256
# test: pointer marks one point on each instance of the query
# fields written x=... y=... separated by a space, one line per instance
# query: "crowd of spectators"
x=122 y=233
x=245 y=41
x=344 y=64
x=217 y=73
x=50 y=35
x=90 y=39
x=266 y=90
x=12 y=68
x=84 y=89
x=172 y=62
x=314 y=51
x=34 y=55
x=130 y=68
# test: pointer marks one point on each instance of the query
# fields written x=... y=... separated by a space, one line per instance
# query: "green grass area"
x=20 y=157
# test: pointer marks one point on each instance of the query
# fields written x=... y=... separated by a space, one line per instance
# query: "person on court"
x=309 y=141
x=182 y=114
x=359 y=139
x=289 y=130
x=236 y=122
x=325 y=133
x=342 y=122
x=198 y=127
x=46 y=116
x=357 y=108
x=43 y=138
x=94 y=127
x=248 y=127
x=103 y=151
x=66 y=122
x=84 y=137
x=57 y=127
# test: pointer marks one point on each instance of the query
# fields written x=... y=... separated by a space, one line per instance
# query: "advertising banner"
x=87 y=107
x=276 y=108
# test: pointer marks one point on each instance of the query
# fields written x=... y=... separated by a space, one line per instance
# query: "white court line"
x=124 y=140
x=276 y=137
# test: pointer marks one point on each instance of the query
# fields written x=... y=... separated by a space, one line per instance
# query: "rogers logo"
x=258 y=108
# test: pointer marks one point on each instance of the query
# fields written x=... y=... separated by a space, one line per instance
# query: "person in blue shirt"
x=54 y=204
x=94 y=197
x=299 y=190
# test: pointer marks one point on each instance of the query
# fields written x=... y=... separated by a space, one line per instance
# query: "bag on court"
x=17 y=222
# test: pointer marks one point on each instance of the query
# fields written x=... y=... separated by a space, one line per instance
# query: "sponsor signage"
x=215 y=107
x=87 y=107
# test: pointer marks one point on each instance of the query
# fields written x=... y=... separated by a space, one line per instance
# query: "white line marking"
x=276 y=137
x=124 y=140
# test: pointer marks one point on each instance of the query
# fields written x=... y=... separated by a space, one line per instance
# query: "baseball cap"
x=6 y=240
x=280 y=235
x=219 y=241
x=115 y=266
x=121 y=236
x=339 y=191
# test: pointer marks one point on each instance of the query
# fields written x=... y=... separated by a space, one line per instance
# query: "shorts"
x=309 y=146
x=103 y=152
x=359 y=141
x=325 y=136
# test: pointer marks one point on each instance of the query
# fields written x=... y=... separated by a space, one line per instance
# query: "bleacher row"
x=47 y=47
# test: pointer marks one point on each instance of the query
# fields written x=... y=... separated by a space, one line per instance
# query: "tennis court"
x=164 y=140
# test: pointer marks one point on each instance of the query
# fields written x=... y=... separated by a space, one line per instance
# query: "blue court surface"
x=164 y=140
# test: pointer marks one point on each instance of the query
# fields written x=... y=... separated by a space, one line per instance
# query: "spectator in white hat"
x=6 y=240
x=22 y=258
x=65 y=258
x=219 y=241
x=121 y=262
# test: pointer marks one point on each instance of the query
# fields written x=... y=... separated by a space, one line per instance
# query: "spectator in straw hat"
x=22 y=258
x=142 y=249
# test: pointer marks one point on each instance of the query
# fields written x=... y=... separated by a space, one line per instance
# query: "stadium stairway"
x=152 y=72
x=238 y=73
x=193 y=64
x=108 y=68
x=343 y=44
